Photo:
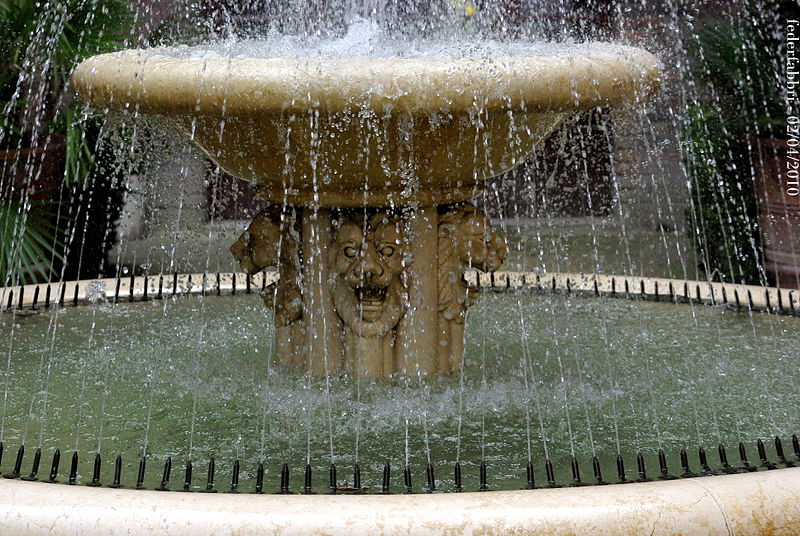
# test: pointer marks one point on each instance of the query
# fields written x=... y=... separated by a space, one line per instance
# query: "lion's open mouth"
x=370 y=296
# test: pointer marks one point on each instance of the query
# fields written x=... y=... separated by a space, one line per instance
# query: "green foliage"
x=737 y=70
x=29 y=241
x=40 y=44
x=723 y=220
x=93 y=200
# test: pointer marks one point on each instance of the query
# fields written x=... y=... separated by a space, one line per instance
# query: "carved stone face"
x=257 y=247
x=479 y=245
x=367 y=291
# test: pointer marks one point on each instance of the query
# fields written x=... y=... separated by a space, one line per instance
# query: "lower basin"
x=191 y=378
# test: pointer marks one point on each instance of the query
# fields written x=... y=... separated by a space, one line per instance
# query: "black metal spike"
x=117 y=473
x=779 y=451
x=37 y=459
x=746 y=465
x=598 y=473
x=430 y=478
x=576 y=473
x=723 y=461
x=260 y=478
x=407 y=479
x=641 y=469
x=95 y=482
x=621 y=470
x=707 y=471
x=142 y=470
x=51 y=479
x=285 y=478
x=332 y=484
x=164 y=486
x=17 y=464
x=529 y=476
x=687 y=472
x=457 y=477
x=387 y=476
x=212 y=468
x=662 y=466
x=73 y=469
x=357 y=479
x=550 y=474
x=2 y=447
x=762 y=456
x=795 y=447
x=307 y=480
x=483 y=486
x=235 y=477
x=187 y=476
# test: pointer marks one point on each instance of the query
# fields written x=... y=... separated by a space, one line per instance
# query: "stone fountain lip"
x=152 y=81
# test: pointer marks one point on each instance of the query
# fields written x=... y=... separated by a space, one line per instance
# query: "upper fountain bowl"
x=366 y=130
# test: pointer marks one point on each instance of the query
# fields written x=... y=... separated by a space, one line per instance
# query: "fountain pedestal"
x=371 y=291
x=334 y=140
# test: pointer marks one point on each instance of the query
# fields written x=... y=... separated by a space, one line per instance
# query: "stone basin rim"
x=150 y=83
x=761 y=503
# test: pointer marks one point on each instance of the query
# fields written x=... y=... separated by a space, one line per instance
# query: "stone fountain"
x=370 y=164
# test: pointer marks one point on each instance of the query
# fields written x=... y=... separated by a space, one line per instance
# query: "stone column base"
x=375 y=292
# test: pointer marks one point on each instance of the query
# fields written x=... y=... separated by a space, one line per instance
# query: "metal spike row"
x=260 y=478
x=17 y=464
x=687 y=472
x=212 y=468
x=407 y=479
x=117 y=473
x=576 y=473
x=431 y=478
x=707 y=471
x=307 y=480
x=746 y=466
x=235 y=477
x=332 y=479
x=95 y=482
x=483 y=485
x=187 y=478
x=662 y=466
x=598 y=474
x=723 y=461
x=37 y=459
x=641 y=469
x=387 y=474
x=54 y=467
x=285 y=479
x=164 y=486
x=551 y=478
x=781 y=456
x=762 y=456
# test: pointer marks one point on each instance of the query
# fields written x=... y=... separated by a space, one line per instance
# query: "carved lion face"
x=368 y=292
x=257 y=247
x=478 y=244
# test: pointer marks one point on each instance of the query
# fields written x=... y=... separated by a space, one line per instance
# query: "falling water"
x=570 y=353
